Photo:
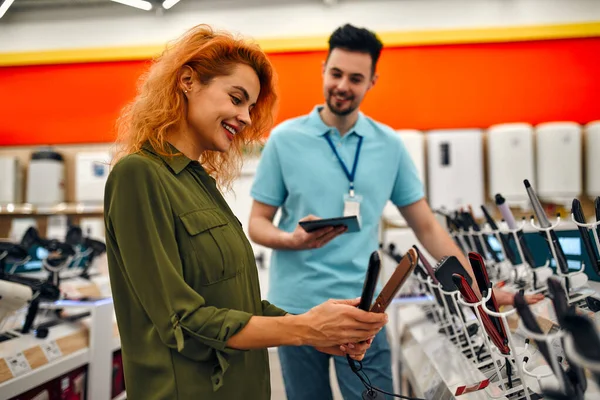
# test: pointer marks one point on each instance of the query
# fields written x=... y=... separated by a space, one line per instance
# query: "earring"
x=185 y=91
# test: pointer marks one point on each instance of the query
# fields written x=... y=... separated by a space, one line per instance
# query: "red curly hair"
x=159 y=107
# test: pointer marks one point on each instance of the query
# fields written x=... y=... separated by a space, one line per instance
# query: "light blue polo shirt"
x=299 y=172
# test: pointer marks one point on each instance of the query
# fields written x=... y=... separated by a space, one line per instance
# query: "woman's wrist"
x=295 y=327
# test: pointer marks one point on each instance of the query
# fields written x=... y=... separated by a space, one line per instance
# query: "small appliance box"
x=559 y=166
x=46 y=178
x=414 y=141
x=592 y=169
x=510 y=161
x=91 y=172
x=455 y=169
x=11 y=178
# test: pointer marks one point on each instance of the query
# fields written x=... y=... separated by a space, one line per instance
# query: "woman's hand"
x=356 y=351
x=302 y=240
x=338 y=322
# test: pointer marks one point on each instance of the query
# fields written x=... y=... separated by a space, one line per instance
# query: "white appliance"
x=510 y=161
x=558 y=162
x=592 y=170
x=11 y=178
x=46 y=178
x=414 y=141
x=91 y=172
x=455 y=169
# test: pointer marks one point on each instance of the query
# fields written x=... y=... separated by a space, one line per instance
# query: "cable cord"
x=370 y=392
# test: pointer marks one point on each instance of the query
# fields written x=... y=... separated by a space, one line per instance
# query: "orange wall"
x=443 y=86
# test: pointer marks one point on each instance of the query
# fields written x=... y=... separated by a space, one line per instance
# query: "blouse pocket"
x=214 y=242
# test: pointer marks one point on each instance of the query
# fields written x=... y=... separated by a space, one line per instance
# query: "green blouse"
x=184 y=280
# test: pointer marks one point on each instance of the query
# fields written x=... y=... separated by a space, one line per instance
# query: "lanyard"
x=349 y=175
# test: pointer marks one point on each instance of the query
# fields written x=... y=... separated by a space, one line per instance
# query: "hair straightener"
x=467 y=292
x=510 y=221
x=585 y=338
x=585 y=235
x=484 y=284
x=370 y=281
x=540 y=214
x=504 y=239
x=486 y=243
x=403 y=270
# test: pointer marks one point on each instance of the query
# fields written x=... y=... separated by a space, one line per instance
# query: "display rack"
x=549 y=339
x=40 y=360
x=61 y=208
x=565 y=277
x=508 y=388
x=532 y=278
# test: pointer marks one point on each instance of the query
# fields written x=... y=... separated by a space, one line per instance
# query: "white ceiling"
x=34 y=5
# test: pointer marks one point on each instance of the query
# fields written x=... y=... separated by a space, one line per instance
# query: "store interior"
x=486 y=95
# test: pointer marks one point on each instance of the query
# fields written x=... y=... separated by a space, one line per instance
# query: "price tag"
x=51 y=350
x=18 y=364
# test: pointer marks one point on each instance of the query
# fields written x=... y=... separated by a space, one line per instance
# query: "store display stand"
x=524 y=272
x=97 y=355
x=479 y=353
x=497 y=357
x=565 y=277
x=549 y=339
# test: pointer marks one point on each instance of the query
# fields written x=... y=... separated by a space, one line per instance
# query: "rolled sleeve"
x=269 y=310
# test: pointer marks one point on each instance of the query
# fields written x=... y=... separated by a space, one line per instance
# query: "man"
x=336 y=161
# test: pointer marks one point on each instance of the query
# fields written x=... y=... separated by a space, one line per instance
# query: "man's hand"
x=505 y=298
x=356 y=351
x=302 y=240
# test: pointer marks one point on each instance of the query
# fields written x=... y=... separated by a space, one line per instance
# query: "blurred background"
x=485 y=94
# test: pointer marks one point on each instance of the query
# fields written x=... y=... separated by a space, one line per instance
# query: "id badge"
x=352 y=205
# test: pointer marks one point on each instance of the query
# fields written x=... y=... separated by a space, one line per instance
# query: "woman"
x=183 y=274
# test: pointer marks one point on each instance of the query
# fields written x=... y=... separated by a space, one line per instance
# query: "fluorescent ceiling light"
x=141 y=4
x=169 y=3
x=4 y=6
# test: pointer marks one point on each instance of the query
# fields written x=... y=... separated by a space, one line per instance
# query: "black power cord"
x=371 y=392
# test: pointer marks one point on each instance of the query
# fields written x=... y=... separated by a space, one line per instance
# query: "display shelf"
x=45 y=373
x=67 y=347
x=62 y=208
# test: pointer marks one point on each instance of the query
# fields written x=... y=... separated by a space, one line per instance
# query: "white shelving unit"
x=98 y=354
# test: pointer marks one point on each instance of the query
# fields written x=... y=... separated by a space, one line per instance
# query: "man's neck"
x=341 y=123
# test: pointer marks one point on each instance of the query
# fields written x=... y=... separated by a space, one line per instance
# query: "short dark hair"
x=351 y=38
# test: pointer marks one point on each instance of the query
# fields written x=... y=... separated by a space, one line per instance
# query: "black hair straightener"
x=586 y=341
x=504 y=239
x=486 y=244
x=370 y=282
x=540 y=214
x=585 y=235
x=453 y=228
x=429 y=272
x=562 y=308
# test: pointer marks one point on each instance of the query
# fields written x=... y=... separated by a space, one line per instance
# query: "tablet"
x=350 y=222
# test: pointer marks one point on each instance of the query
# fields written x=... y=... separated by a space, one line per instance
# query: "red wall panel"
x=445 y=86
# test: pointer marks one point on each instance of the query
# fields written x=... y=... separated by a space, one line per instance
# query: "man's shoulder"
x=382 y=130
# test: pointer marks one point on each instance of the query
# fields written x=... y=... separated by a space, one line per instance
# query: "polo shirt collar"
x=360 y=128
